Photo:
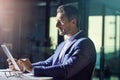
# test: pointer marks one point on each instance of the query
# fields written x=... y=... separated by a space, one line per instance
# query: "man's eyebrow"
x=58 y=19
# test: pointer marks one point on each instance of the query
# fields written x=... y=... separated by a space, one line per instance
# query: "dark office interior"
x=27 y=27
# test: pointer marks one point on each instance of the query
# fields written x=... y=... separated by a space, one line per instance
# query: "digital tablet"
x=8 y=54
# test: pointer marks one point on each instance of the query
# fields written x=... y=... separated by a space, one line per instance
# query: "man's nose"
x=58 y=24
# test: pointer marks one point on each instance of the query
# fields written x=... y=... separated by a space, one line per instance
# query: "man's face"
x=62 y=24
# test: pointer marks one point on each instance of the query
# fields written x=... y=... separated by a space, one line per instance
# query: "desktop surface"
x=6 y=74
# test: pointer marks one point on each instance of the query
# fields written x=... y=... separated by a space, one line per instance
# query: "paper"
x=8 y=54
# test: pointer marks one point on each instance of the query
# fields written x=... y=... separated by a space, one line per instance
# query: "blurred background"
x=27 y=27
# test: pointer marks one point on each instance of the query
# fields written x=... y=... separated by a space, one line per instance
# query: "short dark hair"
x=69 y=11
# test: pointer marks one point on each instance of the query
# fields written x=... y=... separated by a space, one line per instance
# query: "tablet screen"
x=8 y=54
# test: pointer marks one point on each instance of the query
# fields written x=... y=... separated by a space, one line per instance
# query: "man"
x=74 y=58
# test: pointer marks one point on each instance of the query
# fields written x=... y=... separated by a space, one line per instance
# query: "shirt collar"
x=70 y=39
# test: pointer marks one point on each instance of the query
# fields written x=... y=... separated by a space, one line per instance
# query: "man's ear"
x=74 y=21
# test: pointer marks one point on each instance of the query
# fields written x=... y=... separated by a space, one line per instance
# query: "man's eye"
x=61 y=22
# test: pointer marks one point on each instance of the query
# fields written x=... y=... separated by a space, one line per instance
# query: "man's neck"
x=71 y=34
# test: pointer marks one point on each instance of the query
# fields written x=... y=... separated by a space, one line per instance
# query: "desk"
x=28 y=76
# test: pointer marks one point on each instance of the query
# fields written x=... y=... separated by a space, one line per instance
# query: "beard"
x=61 y=32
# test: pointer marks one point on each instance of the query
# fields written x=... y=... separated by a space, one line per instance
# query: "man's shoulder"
x=82 y=39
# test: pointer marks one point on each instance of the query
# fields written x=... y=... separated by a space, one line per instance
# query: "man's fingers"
x=11 y=67
x=10 y=63
x=8 y=60
x=24 y=60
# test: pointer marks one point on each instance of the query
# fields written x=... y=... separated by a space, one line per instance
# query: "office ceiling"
x=99 y=7
x=109 y=7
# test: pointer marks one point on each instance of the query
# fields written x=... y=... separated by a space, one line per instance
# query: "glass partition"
x=111 y=42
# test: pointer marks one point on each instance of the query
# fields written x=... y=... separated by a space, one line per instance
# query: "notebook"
x=8 y=54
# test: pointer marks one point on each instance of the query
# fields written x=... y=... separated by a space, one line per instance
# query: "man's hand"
x=11 y=66
x=24 y=65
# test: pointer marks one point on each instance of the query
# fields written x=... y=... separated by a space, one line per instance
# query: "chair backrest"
x=93 y=72
x=85 y=74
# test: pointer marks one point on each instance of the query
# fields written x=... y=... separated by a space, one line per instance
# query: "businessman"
x=74 y=58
